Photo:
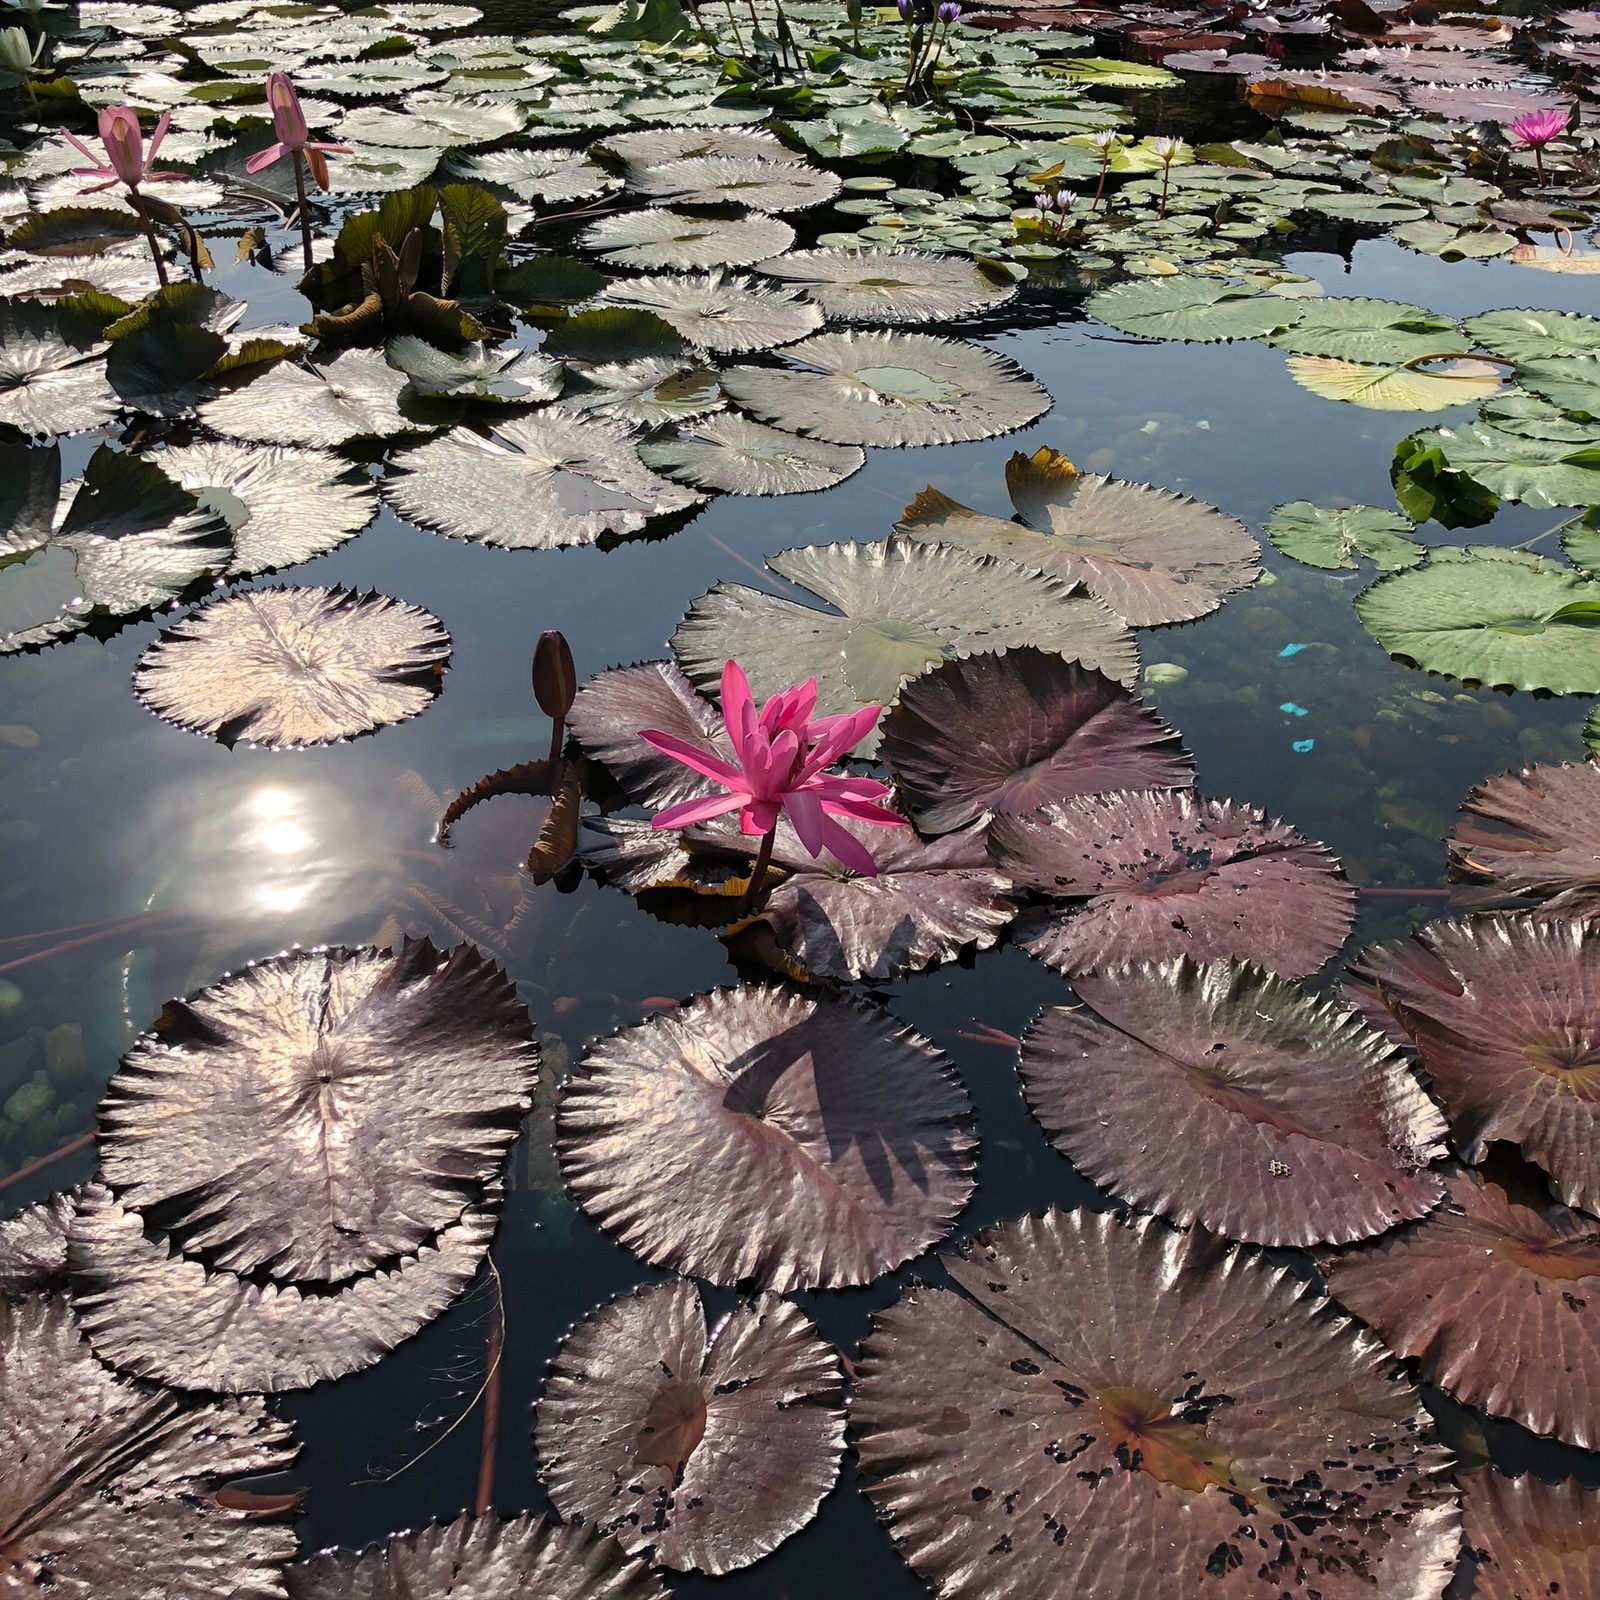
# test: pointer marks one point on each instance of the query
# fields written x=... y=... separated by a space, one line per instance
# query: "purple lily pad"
x=1505 y=1013
x=706 y=1450
x=1010 y=732
x=1125 y=1412
x=1222 y=1095
x=1155 y=873
x=1532 y=835
x=754 y=1135
x=1499 y=1302
x=1531 y=1538
x=33 y=1246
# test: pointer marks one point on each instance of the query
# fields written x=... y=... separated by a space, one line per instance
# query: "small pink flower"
x=1535 y=128
x=125 y=159
x=780 y=757
x=289 y=123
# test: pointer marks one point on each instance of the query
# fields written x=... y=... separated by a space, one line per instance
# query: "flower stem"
x=1538 y=164
x=913 y=55
x=1166 y=178
x=1100 y=187
x=300 y=201
x=733 y=22
x=758 y=873
x=150 y=235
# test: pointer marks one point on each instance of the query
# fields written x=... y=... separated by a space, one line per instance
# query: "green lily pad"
x=1198 y=310
x=1506 y=619
x=658 y=237
x=73 y=231
x=1386 y=209
x=1359 y=329
x=52 y=379
x=1396 y=388
x=1570 y=382
x=1521 y=335
x=891 y=285
x=1325 y=537
x=554 y=175
x=720 y=312
x=736 y=180
x=478 y=373
x=1538 y=472
x=653 y=392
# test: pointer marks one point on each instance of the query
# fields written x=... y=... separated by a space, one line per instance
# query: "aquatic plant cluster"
x=895 y=753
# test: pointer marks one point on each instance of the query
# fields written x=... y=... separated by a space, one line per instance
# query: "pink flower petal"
x=687 y=812
x=805 y=812
x=848 y=850
x=264 y=158
x=698 y=760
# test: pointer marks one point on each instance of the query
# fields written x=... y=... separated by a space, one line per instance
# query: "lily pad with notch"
x=727 y=314
x=504 y=377
x=657 y=238
x=1435 y=387
x=1192 y=309
x=52 y=377
x=794 y=1141
x=1328 y=536
x=1522 y=335
x=753 y=181
x=1158 y=873
x=1355 y=328
x=896 y=286
x=1538 y=471
x=652 y=392
x=1103 y=1389
x=289 y=668
x=704 y=1449
x=554 y=174
x=734 y=455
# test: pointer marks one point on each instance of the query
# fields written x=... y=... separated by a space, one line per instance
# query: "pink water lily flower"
x=781 y=756
x=1534 y=130
x=289 y=123
x=125 y=158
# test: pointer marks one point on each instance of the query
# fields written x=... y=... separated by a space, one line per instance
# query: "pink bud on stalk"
x=289 y=123
x=126 y=162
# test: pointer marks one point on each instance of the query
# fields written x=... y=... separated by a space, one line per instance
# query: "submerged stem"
x=300 y=201
x=149 y=234
x=758 y=873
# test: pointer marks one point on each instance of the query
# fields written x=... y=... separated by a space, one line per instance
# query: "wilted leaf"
x=751 y=181
x=1327 y=537
x=703 y=1450
x=1117 y=1409
x=1162 y=873
x=725 y=314
x=758 y=1136
x=737 y=456
x=656 y=238
x=891 y=285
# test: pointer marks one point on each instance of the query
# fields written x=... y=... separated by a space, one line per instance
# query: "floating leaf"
x=1521 y=335
x=754 y=1135
x=1358 y=329
x=73 y=231
x=751 y=181
x=1499 y=1302
x=161 y=1315
x=1386 y=209
x=1570 y=382
x=655 y=238
x=365 y=1096
x=1532 y=835
x=282 y=506
x=889 y=389
x=289 y=668
x=612 y=335
x=903 y=608
x=111 y=1487
x=52 y=379
x=1530 y=1537
x=891 y=285
x=1106 y=1390
x=1007 y=732
x=478 y=373
x=651 y=393
x=1162 y=873
x=652 y=146
x=1504 y=1014
x=1196 y=309
x=555 y=175
x=706 y=1450
x=725 y=314
x=1456 y=383
x=1519 y=466
x=1219 y=1094
x=1502 y=618
x=356 y=396
x=477 y=1557
x=541 y=482
x=33 y=1246
x=738 y=456
x=1327 y=536
x=1151 y=555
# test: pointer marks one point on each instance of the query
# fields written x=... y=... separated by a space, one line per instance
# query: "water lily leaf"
x=431 y=122
x=1498 y=1301
x=930 y=900
x=1532 y=835
x=472 y=229
x=1386 y=332
x=1519 y=466
x=478 y=373
x=889 y=389
x=792 y=1141
x=999 y=733
x=1220 y=1094
x=548 y=281
x=1530 y=1537
x=1328 y=536
x=73 y=231
x=1151 y=555
x=1100 y=73
x=1161 y=873
x=652 y=392
x=369 y=1095
x=112 y=1487
x=903 y=608
x=288 y=668
x=282 y=506
x=158 y=1314
x=355 y=396
x=655 y=238
x=1570 y=382
x=652 y=146
x=751 y=181
x=1070 y=1413
x=725 y=314
x=1521 y=335
x=1455 y=383
x=1503 y=1014
x=33 y=1246
x=1504 y=618
x=52 y=379
x=613 y=335
x=891 y=285
x=704 y=1449
x=1195 y=309
x=738 y=456
x=127 y=277
x=541 y=482
x=480 y=1558
x=554 y=175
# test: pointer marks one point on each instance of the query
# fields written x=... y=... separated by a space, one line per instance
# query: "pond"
x=1264 y=465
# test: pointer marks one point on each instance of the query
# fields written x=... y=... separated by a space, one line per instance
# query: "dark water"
x=225 y=856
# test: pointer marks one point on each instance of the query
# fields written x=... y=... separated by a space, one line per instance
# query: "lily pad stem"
x=300 y=202
x=758 y=873
x=733 y=22
x=149 y=234
x=1454 y=355
x=1560 y=527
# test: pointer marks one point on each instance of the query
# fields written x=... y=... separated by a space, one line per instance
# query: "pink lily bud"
x=119 y=133
x=287 y=119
